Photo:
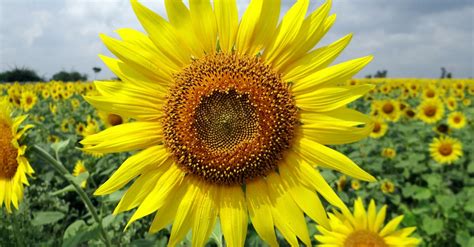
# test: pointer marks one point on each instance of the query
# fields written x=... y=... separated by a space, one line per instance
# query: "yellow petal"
x=343 y=116
x=167 y=213
x=306 y=199
x=260 y=209
x=227 y=17
x=185 y=214
x=149 y=158
x=205 y=213
x=380 y=218
x=125 y=137
x=371 y=214
x=289 y=218
x=204 y=24
x=233 y=215
x=287 y=32
x=168 y=184
x=162 y=34
x=315 y=60
x=321 y=155
x=391 y=226
x=328 y=99
x=330 y=76
x=333 y=133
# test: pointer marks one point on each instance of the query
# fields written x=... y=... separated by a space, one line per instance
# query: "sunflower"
x=451 y=103
x=387 y=187
x=389 y=153
x=110 y=119
x=80 y=168
x=457 y=120
x=380 y=128
x=445 y=150
x=430 y=111
x=430 y=92
x=45 y=94
x=365 y=228
x=28 y=100
x=80 y=128
x=466 y=102
x=220 y=106
x=355 y=184
x=13 y=165
x=389 y=109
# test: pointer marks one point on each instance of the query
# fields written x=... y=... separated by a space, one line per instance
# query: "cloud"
x=409 y=38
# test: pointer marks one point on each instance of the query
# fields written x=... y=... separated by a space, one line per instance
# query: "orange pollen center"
x=457 y=119
x=229 y=118
x=8 y=153
x=377 y=127
x=114 y=119
x=364 y=238
x=445 y=149
x=430 y=111
x=388 y=108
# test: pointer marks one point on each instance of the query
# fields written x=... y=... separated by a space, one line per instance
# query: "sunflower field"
x=419 y=150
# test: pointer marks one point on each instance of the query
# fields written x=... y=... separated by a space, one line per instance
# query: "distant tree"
x=69 y=76
x=445 y=73
x=378 y=74
x=22 y=74
x=96 y=71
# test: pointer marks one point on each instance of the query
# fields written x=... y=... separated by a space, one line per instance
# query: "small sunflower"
x=13 y=165
x=110 y=119
x=28 y=100
x=341 y=183
x=220 y=106
x=430 y=92
x=457 y=120
x=430 y=111
x=80 y=128
x=355 y=184
x=78 y=169
x=380 y=128
x=451 y=103
x=389 y=153
x=389 y=109
x=387 y=187
x=365 y=228
x=445 y=150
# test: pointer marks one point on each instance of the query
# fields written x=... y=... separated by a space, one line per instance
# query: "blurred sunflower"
x=355 y=184
x=28 y=100
x=215 y=113
x=365 y=228
x=80 y=128
x=13 y=165
x=387 y=187
x=451 y=103
x=457 y=120
x=389 y=109
x=430 y=92
x=389 y=153
x=430 y=111
x=110 y=119
x=445 y=150
x=380 y=128
x=80 y=168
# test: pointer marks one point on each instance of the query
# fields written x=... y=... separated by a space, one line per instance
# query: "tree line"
x=24 y=74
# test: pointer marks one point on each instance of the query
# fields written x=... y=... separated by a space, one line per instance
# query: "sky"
x=409 y=38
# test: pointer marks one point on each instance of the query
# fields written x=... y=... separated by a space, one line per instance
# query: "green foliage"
x=18 y=74
x=69 y=76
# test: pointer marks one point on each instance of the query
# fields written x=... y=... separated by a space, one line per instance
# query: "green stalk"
x=58 y=166
x=16 y=230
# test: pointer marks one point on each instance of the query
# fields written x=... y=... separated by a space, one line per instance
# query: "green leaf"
x=432 y=226
x=446 y=201
x=46 y=217
x=58 y=146
x=63 y=190
x=79 y=232
x=462 y=238
x=422 y=194
x=469 y=207
x=216 y=235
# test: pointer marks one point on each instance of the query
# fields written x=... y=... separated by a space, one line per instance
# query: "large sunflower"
x=445 y=150
x=365 y=228
x=232 y=117
x=13 y=165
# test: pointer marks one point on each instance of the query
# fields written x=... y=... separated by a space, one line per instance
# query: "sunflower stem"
x=59 y=167
x=16 y=230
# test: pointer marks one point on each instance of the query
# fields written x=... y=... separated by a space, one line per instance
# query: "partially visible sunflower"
x=355 y=184
x=430 y=111
x=365 y=229
x=80 y=168
x=389 y=110
x=445 y=150
x=457 y=120
x=221 y=106
x=110 y=119
x=13 y=165
x=380 y=128
x=387 y=187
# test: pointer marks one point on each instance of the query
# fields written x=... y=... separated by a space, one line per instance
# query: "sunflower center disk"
x=229 y=118
x=445 y=149
x=8 y=153
x=363 y=238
